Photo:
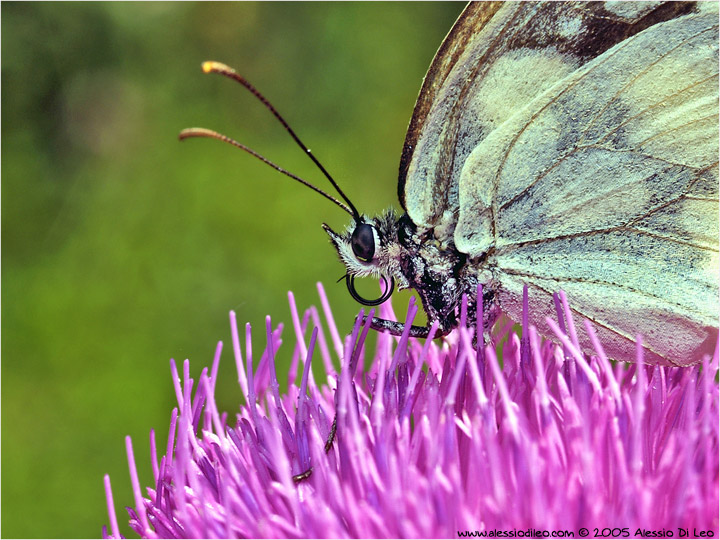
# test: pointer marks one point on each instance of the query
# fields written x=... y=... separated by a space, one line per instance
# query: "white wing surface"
x=606 y=186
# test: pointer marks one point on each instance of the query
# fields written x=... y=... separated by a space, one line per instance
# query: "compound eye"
x=363 y=242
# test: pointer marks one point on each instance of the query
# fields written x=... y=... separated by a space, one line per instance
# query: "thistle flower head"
x=433 y=440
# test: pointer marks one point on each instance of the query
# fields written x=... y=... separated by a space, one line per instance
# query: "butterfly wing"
x=606 y=186
x=603 y=184
x=495 y=60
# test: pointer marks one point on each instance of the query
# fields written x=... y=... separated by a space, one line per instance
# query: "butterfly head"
x=370 y=248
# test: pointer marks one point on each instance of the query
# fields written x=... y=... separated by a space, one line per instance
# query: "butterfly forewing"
x=495 y=60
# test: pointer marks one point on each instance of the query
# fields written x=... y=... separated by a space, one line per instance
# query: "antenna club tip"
x=215 y=67
x=184 y=134
x=199 y=132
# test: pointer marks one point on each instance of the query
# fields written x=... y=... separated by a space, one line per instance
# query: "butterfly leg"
x=396 y=328
x=328 y=445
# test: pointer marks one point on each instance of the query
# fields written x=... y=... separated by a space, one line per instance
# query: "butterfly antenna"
x=222 y=69
x=210 y=134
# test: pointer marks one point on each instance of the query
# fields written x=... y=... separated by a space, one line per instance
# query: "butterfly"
x=556 y=146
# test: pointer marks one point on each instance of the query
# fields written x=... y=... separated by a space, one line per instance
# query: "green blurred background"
x=122 y=247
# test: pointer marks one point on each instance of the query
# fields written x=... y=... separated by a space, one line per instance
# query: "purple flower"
x=435 y=440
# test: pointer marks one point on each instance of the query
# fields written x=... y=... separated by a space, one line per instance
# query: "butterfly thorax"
x=441 y=275
x=435 y=271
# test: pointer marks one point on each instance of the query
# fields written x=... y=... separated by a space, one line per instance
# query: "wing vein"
x=666 y=131
x=637 y=76
x=512 y=246
x=648 y=156
x=585 y=315
x=662 y=297
x=683 y=195
x=659 y=103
